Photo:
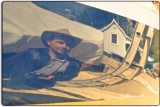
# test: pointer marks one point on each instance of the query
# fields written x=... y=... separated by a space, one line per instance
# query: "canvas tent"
x=23 y=23
x=142 y=90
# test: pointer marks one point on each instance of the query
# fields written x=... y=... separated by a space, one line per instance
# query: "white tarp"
x=23 y=23
x=144 y=12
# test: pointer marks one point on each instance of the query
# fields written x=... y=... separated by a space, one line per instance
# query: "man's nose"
x=66 y=46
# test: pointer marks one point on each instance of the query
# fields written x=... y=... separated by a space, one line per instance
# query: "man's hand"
x=47 y=78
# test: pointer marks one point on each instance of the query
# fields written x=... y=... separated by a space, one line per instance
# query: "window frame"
x=112 y=39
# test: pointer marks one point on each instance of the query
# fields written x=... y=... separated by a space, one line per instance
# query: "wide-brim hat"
x=61 y=33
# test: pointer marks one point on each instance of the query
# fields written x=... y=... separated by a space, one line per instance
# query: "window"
x=127 y=46
x=114 y=38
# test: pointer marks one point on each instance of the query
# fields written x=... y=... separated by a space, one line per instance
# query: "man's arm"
x=11 y=64
x=16 y=66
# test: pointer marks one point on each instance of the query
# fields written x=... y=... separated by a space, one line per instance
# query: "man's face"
x=58 y=46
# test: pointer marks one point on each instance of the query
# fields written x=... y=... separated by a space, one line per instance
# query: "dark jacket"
x=20 y=64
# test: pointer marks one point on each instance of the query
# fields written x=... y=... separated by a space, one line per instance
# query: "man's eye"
x=60 y=42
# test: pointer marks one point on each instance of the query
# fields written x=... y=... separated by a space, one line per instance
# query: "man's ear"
x=48 y=43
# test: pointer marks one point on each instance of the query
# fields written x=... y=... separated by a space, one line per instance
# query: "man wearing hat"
x=42 y=67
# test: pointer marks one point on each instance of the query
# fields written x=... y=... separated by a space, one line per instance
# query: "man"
x=42 y=67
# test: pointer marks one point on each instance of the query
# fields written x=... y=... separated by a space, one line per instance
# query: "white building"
x=115 y=39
